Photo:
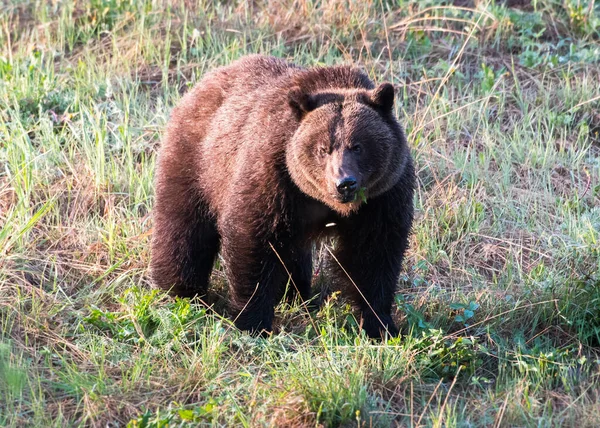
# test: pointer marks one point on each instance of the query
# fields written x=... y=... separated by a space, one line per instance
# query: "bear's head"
x=348 y=146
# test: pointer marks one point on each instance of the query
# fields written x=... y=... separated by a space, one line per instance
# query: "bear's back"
x=251 y=73
x=211 y=123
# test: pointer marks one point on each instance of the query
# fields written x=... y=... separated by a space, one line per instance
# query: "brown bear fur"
x=251 y=165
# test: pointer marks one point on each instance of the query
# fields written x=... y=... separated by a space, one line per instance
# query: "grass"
x=499 y=303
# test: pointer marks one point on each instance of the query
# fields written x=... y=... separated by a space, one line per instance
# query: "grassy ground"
x=500 y=301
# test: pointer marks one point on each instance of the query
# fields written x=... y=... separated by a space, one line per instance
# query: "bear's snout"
x=347 y=187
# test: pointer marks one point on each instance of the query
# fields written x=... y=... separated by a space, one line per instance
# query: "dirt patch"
x=491 y=255
x=8 y=198
x=516 y=4
x=566 y=182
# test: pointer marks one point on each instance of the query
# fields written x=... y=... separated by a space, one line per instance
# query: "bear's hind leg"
x=185 y=243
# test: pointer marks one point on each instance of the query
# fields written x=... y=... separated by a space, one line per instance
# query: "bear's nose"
x=346 y=185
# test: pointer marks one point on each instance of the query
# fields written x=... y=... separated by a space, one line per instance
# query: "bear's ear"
x=301 y=102
x=383 y=96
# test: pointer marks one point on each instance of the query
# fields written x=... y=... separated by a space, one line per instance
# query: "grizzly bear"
x=264 y=158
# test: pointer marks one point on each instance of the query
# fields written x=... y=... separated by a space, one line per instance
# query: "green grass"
x=499 y=303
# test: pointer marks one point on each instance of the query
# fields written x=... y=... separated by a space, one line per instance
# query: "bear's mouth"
x=347 y=198
x=357 y=195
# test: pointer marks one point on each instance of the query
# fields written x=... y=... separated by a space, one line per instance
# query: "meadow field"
x=499 y=300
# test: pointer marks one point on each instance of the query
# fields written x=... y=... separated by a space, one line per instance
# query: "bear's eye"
x=356 y=148
x=321 y=151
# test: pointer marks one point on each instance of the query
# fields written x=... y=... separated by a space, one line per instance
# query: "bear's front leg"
x=370 y=271
x=368 y=259
x=255 y=277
